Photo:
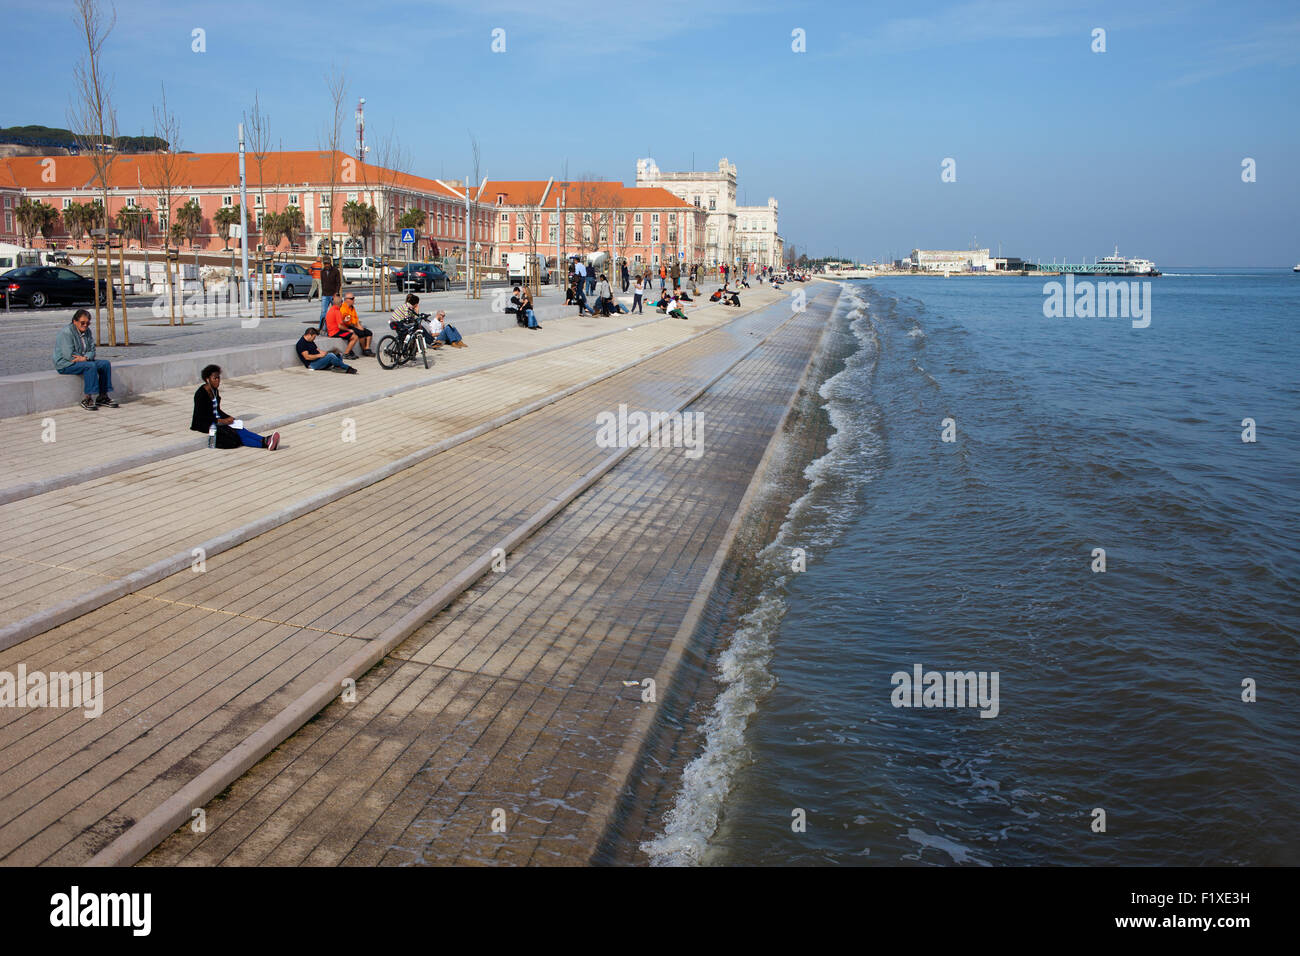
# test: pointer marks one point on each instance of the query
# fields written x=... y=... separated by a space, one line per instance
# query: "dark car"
x=38 y=286
x=423 y=277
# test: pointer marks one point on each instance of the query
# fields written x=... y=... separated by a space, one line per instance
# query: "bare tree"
x=393 y=160
x=165 y=173
x=257 y=126
x=93 y=122
x=332 y=135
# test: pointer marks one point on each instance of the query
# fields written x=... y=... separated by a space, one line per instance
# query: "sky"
x=1059 y=151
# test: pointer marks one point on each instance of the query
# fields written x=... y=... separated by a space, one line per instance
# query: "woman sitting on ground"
x=526 y=304
x=675 y=309
x=208 y=411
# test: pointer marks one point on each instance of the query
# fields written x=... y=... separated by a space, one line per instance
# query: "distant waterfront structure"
x=951 y=260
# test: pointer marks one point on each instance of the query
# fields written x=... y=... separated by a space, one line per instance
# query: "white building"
x=951 y=260
x=714 y=192
x=758 y=236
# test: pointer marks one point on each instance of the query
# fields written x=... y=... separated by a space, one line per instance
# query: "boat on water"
x=1297 y=268
x=1125 y=266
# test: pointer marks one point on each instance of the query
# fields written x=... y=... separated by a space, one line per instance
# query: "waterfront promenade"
x=371 y=560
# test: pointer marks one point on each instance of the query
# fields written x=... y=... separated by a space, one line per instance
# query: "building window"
x=568 y=218
x=352 y=197
x=258 y=219
x=654 y=233
x=622 y=237
x=293 y=199
x=636 y=259
x=130 y=202
x=568 y=233
x=672 y=235
x=636 y=217
x=697 y=202
x=672 y=218
x=9 y=202
x=325 y=217
x=9 y=222
x=552 y=234
x=713 y=203
x=654 y=217
x=519 y=233
x=227 y=200
x=586 y=233
x=636 y=235
x=257 y=200
x=505 y=217
x=324 y=199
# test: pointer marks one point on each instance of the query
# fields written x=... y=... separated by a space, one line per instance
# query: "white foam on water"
x=814 y=521
x=956 y=851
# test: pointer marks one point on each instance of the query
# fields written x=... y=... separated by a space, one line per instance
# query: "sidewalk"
x=213 y=501
x=196 y=664
x=513 y=699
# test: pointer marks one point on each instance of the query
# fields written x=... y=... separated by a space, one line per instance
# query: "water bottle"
x=212 y=435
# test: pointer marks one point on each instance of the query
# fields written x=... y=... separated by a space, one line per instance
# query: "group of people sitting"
x=606 y=304
x=726 y=296
x=670 y=304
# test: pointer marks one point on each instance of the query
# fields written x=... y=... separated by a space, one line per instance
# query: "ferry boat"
x=1122 y=265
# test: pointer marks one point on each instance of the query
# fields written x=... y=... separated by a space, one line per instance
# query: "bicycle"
x=400 y=348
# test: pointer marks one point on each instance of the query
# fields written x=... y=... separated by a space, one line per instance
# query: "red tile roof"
x=220 y=170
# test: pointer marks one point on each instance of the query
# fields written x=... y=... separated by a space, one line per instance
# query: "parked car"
x=287 y=280
x=38 y=286
x=421 y=277
x=359 y=268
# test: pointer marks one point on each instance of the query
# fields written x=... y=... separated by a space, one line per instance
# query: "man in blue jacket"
x=74 y=354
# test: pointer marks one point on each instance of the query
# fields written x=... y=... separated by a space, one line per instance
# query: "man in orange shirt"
x=338 y=327
x=315 y=279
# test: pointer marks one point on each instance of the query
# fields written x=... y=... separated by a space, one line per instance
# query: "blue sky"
x=1060 y=152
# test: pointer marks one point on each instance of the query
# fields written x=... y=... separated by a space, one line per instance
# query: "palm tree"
x=369 y=223
x=30 y=216
x=292 y=222
x=272 y=229
x=224 y=218
x=353 y=216
x=190 y=218
x=128 y=219
x=48 y=223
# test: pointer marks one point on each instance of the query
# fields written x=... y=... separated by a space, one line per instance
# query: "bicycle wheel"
x=388 y=353
x=424 y=351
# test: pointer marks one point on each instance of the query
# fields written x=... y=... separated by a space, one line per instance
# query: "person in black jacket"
x=331 y=281
x=207 y=410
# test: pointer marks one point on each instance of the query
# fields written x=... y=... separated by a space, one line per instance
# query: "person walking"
x=625 y=275
x=227 y=433
x=677 y=276
x=74 y=354
x=331 y=282
x=315 y=279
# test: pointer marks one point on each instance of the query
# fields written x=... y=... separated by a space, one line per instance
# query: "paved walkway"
x=194 y=668
x=200 y=500
x=523 y=698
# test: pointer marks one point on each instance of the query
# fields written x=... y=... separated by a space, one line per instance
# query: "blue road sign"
x=408 y=235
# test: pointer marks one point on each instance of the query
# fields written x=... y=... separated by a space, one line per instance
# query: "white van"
x=11 y=257
x=517 y=268
x=359 y=268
